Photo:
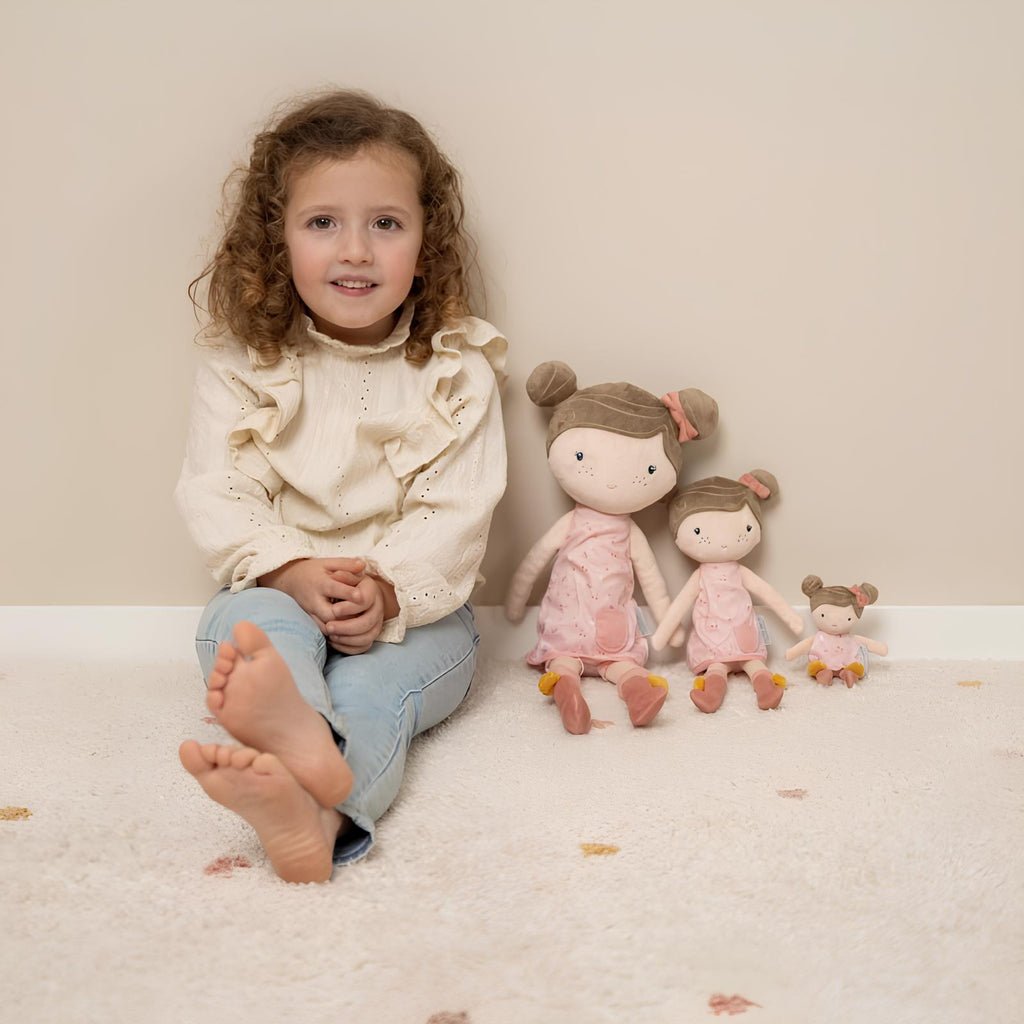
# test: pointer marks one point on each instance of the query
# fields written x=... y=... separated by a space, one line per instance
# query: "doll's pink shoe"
x=824 y=677
x=569 y=700
x=769 y=689
x=852 y=673
x=644 y=696
x=708 y=692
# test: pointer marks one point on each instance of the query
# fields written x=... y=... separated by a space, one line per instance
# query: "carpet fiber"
x=852 y=857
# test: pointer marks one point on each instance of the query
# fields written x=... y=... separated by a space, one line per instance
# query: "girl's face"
x=354 y=229
x=834 y=619
x=719 y=536
x=611 y=473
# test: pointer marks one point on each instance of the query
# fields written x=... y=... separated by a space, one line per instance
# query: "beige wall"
x=813 y=211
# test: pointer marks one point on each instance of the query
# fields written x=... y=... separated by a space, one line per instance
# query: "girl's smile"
x=354 y=229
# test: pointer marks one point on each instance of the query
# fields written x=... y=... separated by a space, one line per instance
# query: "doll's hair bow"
x=749 y=480
x=862 y=598
x=687 y=431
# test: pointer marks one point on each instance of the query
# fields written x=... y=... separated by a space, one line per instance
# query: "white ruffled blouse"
x=341 y=450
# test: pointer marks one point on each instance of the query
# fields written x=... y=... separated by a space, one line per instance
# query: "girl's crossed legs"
x=287 y=696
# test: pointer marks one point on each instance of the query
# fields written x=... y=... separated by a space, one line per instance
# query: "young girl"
x=835 y=650
x=344 y=457
x=717 y=522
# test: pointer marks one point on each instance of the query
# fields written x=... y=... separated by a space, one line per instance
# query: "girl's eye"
x=321 y=223
x=579 y=456
x=652 y=469
x=696 y=530
x=386 y=223
x=749 y=528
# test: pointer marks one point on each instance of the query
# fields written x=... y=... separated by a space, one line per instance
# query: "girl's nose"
x=354 y=247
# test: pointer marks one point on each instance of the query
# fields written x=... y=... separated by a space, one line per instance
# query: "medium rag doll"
x=614 y=449
x=835 y=650
x=717 y=523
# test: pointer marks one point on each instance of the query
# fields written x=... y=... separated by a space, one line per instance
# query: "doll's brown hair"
x=622 y=409
x=720 y=494
x=855 y=597
x=250 y=290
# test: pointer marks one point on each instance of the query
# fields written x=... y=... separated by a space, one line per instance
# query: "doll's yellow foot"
x=644 y=696
x=708 y=692
x=814 y=668
x=769 y=689
x=547 y=682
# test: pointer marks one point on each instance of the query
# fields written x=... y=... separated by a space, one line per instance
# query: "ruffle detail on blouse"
x=278 y=391
x=419 y=443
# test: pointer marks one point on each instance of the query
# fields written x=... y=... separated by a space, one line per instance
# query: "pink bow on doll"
x=687 y=431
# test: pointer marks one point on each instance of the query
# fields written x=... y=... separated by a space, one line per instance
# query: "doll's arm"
x=799 y=649
x=648 y=575
x=677 y=611
x=531 y=567
x=768 y=595
x=874 y=646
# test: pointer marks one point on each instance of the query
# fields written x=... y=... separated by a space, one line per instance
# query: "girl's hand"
x=359 y=616
x=316 y=583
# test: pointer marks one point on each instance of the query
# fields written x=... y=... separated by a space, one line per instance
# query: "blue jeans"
x=375 y=703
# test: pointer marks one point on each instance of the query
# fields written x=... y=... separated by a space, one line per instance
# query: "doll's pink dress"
x=588 y=611
x=836 y=652
x=724 y=626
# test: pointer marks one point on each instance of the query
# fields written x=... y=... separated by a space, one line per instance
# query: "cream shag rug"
x=853 y=857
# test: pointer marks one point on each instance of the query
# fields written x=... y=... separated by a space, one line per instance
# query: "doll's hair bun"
x=856 y=596
x=811 y=585
x=701 y=410
x=551 y=383
x=762 y=483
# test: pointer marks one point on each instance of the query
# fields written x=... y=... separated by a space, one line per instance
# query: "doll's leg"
x=643 y=693
x=852 y=673
x=562 y=681
x=385 y=697
x=821 y=672
x=709 y=689
x=769 y=688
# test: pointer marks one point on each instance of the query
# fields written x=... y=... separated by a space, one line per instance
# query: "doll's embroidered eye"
x=579 y=456
x=651 y=469
x=749 y=528
x=696 y=530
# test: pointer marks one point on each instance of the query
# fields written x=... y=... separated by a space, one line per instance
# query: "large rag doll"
x=614 y=449
x=717 y=523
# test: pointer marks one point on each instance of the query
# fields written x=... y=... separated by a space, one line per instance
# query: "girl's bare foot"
x=297 y=833
x=253 y=695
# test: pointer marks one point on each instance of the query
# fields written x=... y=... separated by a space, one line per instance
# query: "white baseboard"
x=94 y=633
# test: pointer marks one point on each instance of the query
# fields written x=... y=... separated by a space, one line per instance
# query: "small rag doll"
x=717 y=523
x=614 y=449
x=835 y=650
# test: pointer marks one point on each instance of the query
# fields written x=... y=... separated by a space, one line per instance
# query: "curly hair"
x=250 y=291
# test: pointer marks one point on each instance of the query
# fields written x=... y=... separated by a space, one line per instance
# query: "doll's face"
x=833 y=619
x=719 y=536
x=611 y=473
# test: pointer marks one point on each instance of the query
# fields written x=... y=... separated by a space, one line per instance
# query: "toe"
x=242 y=757
x=249 y=639
x=268 y=764
x=192 y=758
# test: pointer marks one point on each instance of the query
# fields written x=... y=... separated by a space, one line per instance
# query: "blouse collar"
x=397 y=337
